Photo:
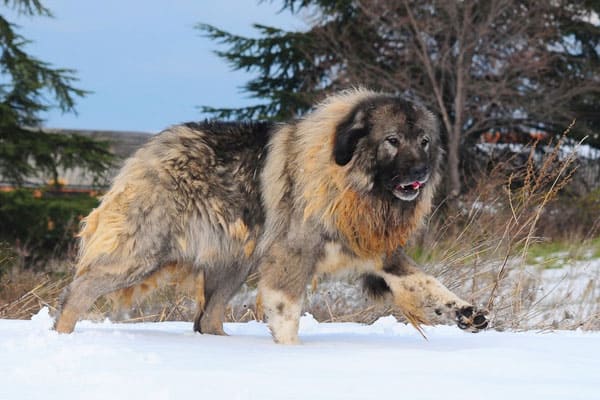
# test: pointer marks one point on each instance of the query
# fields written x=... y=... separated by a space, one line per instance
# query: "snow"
x=336 y=361
x=566 y=294
x=582 y=151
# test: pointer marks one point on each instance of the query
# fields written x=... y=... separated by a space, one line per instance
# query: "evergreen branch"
x=27 y=82
x=28 y=153
x=29 y=78
x=288 y=64
x=28 y=7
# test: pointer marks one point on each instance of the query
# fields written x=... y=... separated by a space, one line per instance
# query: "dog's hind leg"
x=220 y=284
x=200 y=297
x=86 y=288
x=79 y=297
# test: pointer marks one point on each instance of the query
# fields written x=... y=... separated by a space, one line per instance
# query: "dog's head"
x=390 y=146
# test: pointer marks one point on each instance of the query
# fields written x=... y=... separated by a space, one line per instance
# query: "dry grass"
x=486 y=261
x=24 y=294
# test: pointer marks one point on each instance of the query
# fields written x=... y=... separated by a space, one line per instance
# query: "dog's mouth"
x=408 y=191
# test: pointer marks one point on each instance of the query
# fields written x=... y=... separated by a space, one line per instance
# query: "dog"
x=339 y=190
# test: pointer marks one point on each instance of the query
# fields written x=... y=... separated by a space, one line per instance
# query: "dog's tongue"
x=410 y=186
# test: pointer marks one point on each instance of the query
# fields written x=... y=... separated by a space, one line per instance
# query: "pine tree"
x=499 y=65
x=27 y=83
x=294 y=68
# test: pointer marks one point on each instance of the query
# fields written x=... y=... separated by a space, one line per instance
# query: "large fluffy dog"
x=341 y=189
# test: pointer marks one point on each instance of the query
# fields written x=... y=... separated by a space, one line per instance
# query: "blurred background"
x=515 y=84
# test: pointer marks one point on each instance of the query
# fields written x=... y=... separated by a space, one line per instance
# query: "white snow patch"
x=336 y=361
x=566 y=150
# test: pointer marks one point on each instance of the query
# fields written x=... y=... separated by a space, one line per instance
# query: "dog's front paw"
x=470 y=319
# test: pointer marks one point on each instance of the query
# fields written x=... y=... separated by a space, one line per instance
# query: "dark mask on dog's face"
x=394 y=142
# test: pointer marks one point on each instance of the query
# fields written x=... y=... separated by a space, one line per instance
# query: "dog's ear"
x=347 y=135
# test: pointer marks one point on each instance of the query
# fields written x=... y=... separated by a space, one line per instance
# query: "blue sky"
x=146 y=65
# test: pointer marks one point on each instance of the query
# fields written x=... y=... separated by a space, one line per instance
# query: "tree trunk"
x=454 y=135
x=453 y=172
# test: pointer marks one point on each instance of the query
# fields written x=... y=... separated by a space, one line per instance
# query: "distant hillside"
x=122 y=144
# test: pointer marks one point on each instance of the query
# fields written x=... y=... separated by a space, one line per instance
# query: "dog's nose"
x=419 y=172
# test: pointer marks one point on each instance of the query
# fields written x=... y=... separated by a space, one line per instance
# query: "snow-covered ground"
x=386 y=360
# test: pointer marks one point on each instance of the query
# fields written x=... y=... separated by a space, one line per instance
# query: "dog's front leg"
x=423 y=299
x=284 y=274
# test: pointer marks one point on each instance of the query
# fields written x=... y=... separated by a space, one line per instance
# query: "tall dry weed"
x=486 y=261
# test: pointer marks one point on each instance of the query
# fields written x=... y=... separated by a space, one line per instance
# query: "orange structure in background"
x=512 y=137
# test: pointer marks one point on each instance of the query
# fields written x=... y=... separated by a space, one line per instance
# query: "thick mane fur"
x=370 y=225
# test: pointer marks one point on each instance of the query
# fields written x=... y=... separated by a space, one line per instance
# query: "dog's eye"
x=393 y=140
x=425 y=142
